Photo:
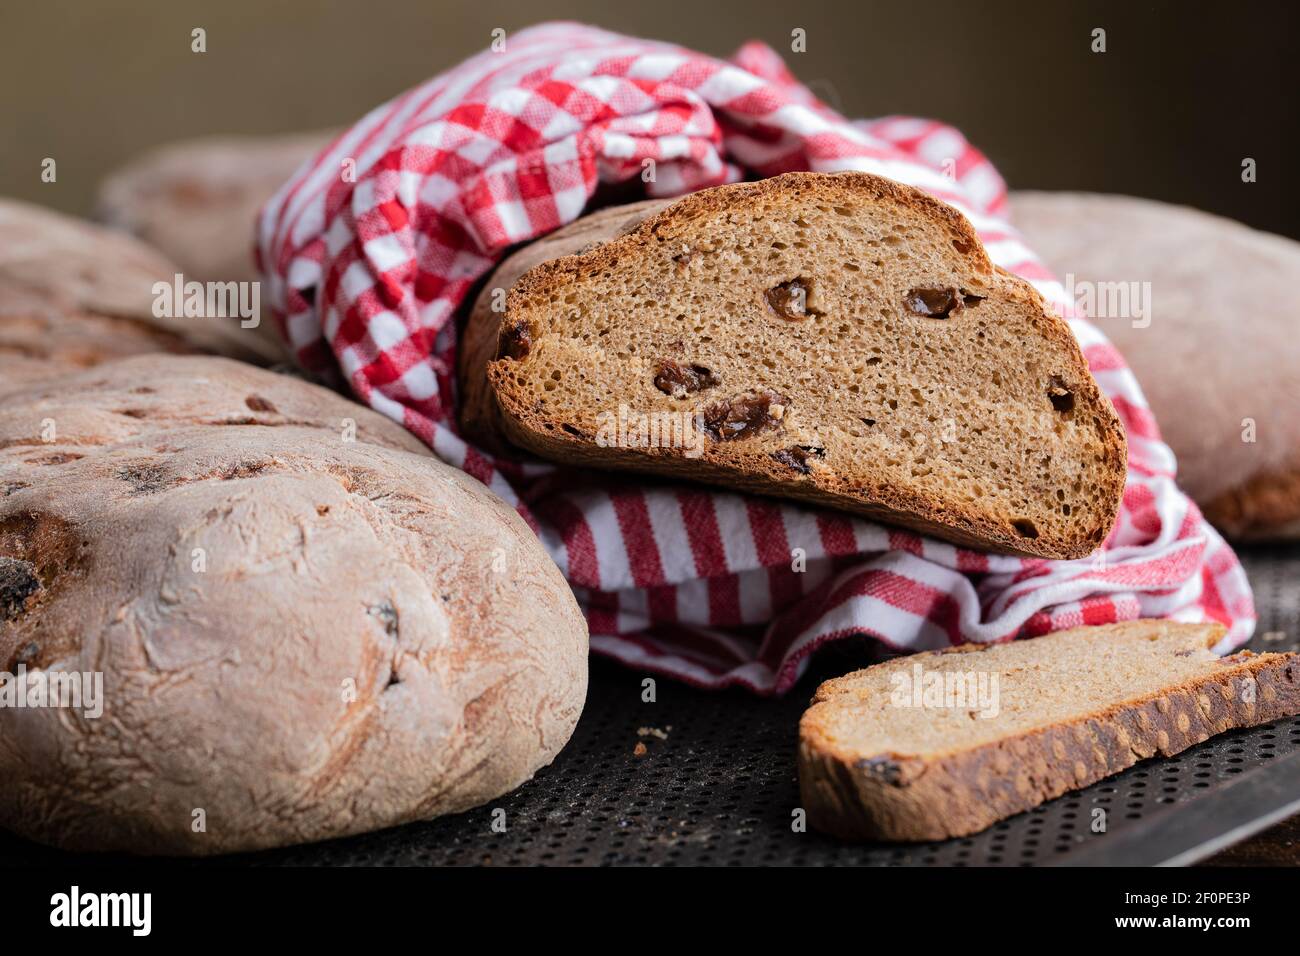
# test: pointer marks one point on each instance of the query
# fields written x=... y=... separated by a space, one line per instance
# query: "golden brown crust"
x=495 y=405
x=911 y=797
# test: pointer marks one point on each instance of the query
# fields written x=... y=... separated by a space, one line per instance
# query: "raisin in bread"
x=900 y=751
x=839 y=339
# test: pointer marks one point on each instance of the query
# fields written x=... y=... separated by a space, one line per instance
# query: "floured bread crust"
x=307 y=626
x=1209 y=332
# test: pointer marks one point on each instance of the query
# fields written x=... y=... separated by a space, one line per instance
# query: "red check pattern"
x=371 y=249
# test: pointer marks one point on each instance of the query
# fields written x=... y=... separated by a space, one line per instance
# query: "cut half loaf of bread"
x=840 y=339
x=946 y=743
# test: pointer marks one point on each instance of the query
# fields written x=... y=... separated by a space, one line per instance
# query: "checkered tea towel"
x=371 y=249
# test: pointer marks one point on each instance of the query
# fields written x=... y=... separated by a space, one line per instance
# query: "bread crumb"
x=639 y=750
x=652 y=732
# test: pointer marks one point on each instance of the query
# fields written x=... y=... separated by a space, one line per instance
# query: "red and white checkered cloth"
x=371 y=249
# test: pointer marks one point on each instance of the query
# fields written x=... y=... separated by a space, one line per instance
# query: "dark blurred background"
x=1183 y=93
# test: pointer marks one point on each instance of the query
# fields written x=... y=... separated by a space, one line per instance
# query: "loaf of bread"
x=197 y=200
x=945 y=743
x=1204 y=310
x=39 y=343
x=305 y=625
x=73 y=294
x=839 y=339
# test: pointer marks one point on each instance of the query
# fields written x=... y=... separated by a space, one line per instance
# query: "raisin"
x=678 y=380
x=1060 y=395
x=933 y=303
x=386 y=615
x=790 y=300
x=799 y=456
x=744 y=417
x=941 y=303
x=258 y=404
x=516 y=340
x=18 y=582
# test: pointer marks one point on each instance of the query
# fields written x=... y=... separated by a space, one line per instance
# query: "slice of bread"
x=903 y=750
x=840 y=339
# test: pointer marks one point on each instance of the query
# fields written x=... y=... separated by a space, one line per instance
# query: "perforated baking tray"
x=717 y=785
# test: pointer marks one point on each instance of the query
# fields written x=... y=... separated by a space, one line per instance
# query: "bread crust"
x=198 y=200
x=495 y=408
x=39 y=343
x=907 y=797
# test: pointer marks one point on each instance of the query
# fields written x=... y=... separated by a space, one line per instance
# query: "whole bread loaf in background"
x=197 y=200
x=945 y=743
x=839 y=339
x=1217 y=348
x=73 y=294
x=306 y=625
x=39 y=342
